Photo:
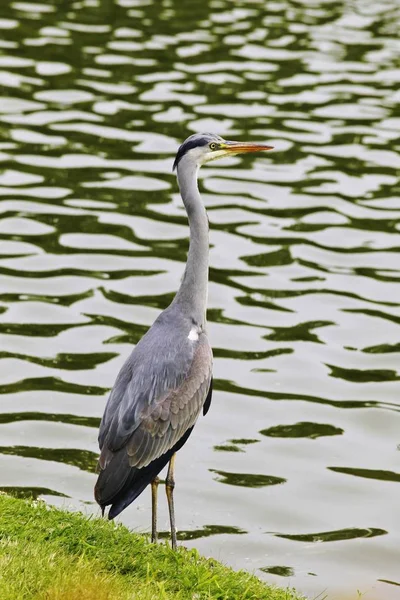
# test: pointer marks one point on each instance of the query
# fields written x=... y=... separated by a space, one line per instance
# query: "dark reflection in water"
x=243 y=441
x=302 y=430
x=67 y=300
x=226 y=353
x=269 y=259
x=134 y=331
x=51 y=417
x=83 y=459
x=157 y=301
x=363 y=376
x=234 y=445
x=383 y=349
x=304 y=270
x=368 y=473
x=65 y=361
x=246 y=479
x=279 y=570
x=34 y=329
x=51 y=383
x=230 y=386
x=228 y=448
x=260 y=303
x=65 y=272
x=301 y=332
x=30 y=492
x=390 y=582
x=334 y=536
x=377 y=314
x=205 y=531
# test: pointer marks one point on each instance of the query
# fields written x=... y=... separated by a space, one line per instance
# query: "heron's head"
x=203 y=147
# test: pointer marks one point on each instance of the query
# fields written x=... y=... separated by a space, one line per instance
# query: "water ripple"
x=304 y=276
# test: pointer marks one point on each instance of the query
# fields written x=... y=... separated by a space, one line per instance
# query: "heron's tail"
x=119 y=484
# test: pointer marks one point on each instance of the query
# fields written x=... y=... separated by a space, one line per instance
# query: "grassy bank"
x=48 y=554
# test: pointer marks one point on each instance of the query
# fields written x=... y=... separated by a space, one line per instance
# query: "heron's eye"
x=213 y=146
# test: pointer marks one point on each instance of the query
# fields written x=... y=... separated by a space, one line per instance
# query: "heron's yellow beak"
x=242 y=147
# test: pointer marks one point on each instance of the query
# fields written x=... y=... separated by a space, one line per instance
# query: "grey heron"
x=167 y=380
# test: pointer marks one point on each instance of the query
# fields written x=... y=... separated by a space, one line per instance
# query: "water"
x=295 y=472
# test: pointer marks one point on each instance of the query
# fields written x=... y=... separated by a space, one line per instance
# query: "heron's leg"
x=169 y=488
x=154 y=490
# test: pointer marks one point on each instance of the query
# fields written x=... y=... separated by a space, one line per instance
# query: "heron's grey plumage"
x=162 y=387
x=158 y=393
x=167 y=380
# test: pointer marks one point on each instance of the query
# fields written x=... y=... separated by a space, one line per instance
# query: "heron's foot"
x=154 y=490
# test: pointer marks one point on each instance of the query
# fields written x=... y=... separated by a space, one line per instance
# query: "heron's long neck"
x=192 y=294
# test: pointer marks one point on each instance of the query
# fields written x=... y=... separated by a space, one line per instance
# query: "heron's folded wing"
x=164 y=424
x=157 y=425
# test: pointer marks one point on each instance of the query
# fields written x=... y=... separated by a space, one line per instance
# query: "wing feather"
x=179 y=411
x=157 y=397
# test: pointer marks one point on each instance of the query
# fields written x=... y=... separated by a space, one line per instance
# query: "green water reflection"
x=304 y=293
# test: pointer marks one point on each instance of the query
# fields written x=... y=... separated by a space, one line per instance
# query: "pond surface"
x=295 y=472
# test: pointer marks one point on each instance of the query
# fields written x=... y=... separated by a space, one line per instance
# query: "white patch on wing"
x=193 y=335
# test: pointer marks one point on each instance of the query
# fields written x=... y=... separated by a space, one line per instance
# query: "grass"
x=50 y=554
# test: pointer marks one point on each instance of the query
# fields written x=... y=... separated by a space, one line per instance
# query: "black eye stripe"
x=194 y=141
x=185 y=147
